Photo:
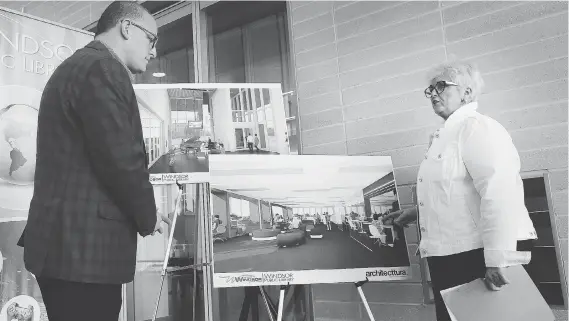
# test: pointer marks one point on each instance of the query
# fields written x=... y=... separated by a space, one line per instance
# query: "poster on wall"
x=30 y=50
x=304 y=219
x=184 y=124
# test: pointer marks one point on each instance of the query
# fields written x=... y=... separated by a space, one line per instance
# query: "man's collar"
x=460 y=114
x=97 y=44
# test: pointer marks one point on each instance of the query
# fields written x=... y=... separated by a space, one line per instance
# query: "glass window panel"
x=552 y=293
x=235 y=206
x=245 y=100
x=265 y=51
x=277 y=210
x=249 y=100
x=536 y=203
x=258 y=101
x=245 y=208
x=176 y=66
x=543 y=266
x=542 y=224
x=260 y=116
x=229 y=63
x=270 y=123
x=174 y=55
x=266 y=96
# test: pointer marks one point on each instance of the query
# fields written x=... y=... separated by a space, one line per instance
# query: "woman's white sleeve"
x=494 y=165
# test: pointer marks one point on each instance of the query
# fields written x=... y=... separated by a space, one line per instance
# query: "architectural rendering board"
x=184 y=124
x=279 y=219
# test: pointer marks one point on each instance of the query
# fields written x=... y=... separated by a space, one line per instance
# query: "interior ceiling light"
x=158 y=74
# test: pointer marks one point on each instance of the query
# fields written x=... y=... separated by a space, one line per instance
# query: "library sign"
x=31 y=49
x=24 y=52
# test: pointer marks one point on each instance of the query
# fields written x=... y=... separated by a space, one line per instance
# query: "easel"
x=251 y=301
x=165 y=269
x=363 y=297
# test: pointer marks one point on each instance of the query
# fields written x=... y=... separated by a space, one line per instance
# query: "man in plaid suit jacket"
x=92 y=193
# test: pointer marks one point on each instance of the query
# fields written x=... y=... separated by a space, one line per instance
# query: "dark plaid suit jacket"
x=92 y=193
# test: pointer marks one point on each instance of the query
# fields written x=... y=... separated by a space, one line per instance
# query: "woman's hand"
x=495 y=278
x=401 y=218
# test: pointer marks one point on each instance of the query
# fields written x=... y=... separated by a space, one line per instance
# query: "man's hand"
x=159 y=219
x=495 y=278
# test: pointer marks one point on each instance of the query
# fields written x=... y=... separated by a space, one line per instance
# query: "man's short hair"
x=118 y=11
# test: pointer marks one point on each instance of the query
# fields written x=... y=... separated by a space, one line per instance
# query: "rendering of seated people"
x=216 y=222
x=295 y=222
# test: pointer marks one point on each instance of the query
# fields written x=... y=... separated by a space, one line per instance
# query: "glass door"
x=249 y=44
x=239 y=138
x=182 y=294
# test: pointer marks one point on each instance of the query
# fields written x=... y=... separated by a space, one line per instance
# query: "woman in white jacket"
x=471 y=212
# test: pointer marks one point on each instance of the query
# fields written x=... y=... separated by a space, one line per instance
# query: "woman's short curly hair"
x=463 y=73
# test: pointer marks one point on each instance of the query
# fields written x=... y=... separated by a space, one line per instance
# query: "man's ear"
x=125 y=29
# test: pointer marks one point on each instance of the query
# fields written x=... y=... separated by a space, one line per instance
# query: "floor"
x=261 y=152
x=336 y=250
x=183 y=163
x=189 y=163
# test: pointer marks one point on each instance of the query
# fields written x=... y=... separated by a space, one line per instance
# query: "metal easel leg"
x=271 y=311
x=196 y=210
x=364 y=300
x=168 y=248
x=281 y=303
x=250 y=303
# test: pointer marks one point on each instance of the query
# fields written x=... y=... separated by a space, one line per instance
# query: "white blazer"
x=470 y=193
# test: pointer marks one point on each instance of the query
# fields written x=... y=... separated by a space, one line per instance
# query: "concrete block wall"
x=361 y=68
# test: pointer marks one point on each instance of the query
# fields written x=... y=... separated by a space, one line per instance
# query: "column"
x=279 y=121
x=200 y=27
x=260 y=203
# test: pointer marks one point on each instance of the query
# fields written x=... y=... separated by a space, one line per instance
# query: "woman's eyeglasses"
x=439 y=87
x=151 y=36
